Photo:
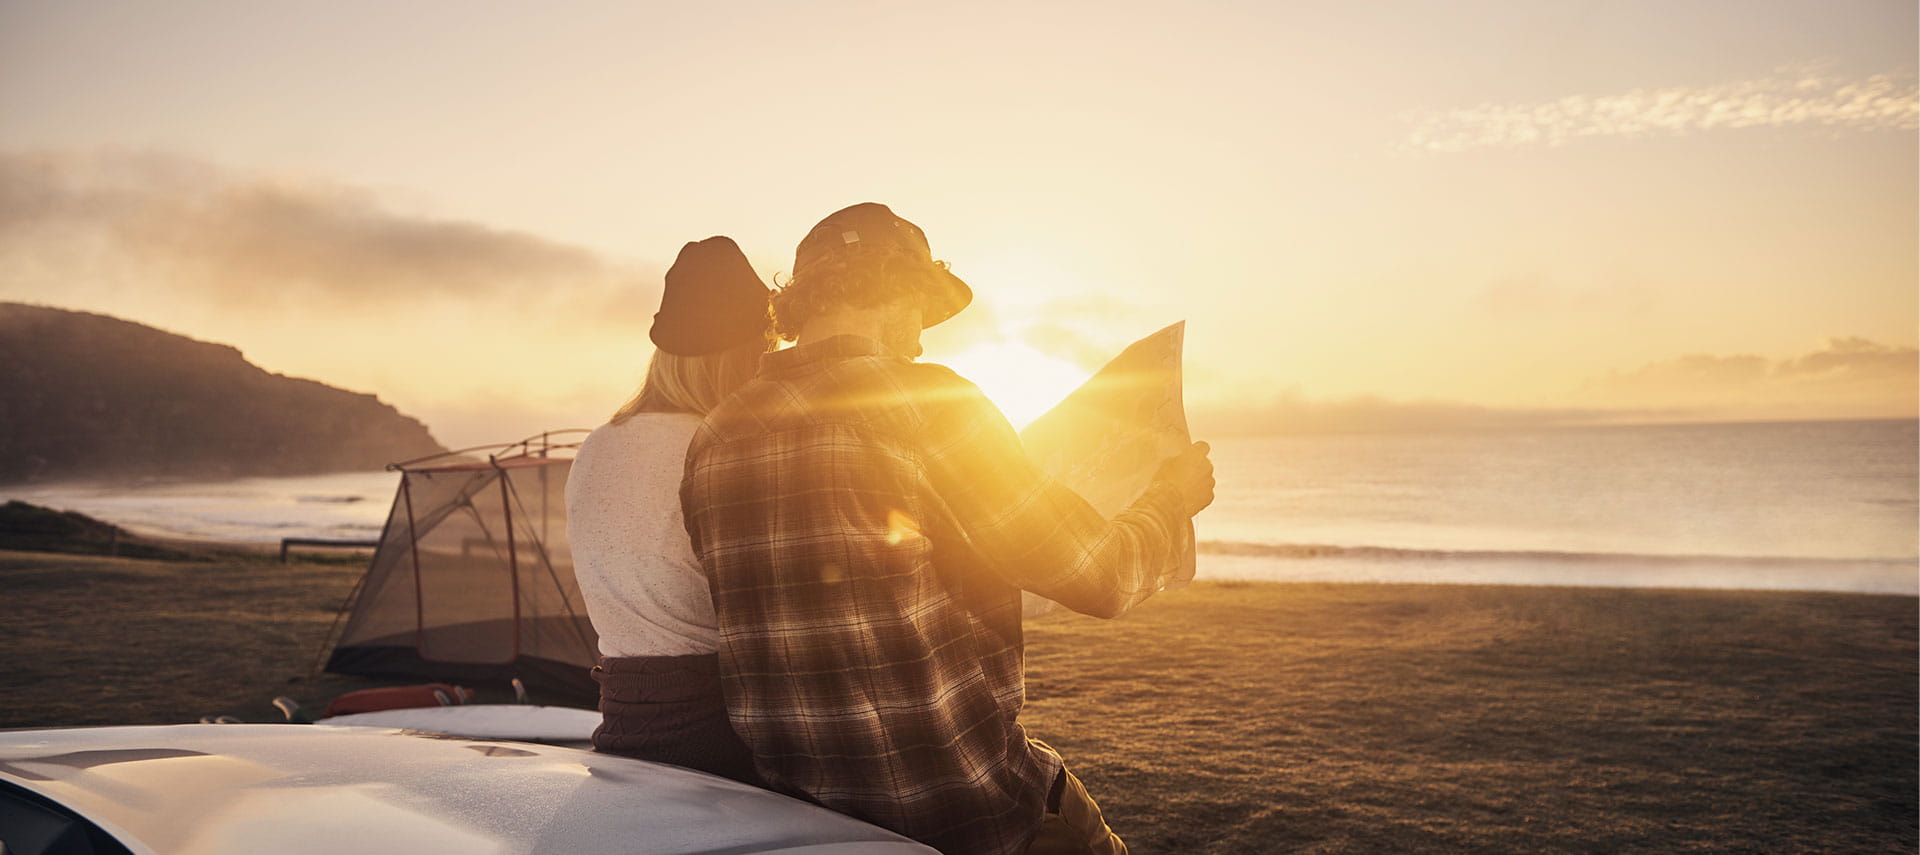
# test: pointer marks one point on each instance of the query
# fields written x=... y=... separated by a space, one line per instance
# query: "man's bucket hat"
x=874 y=224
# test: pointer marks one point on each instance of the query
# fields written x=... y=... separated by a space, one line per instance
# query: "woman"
x=644 y=589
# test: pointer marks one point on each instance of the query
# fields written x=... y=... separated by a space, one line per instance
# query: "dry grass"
x=1339 y=718
x=1234 y=717
x=98 y=640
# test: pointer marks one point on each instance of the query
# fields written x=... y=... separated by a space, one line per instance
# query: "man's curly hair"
x=858 y=276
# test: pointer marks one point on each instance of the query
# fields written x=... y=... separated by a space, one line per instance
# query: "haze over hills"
x=84 y=395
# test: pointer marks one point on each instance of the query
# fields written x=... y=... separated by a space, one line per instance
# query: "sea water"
x=1809 y=506
x=1804 y=506
x=341 y=505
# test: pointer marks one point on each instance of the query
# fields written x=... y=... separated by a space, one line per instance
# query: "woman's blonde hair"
x=692 y=384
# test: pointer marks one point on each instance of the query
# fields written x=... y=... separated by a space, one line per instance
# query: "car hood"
x=218 y=789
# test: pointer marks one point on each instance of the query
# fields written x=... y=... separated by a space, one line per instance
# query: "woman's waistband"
x=698 y=663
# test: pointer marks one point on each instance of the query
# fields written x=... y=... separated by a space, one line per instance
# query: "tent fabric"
x=473 y=581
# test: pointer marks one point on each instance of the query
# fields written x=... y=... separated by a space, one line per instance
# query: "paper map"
x=1106 y=440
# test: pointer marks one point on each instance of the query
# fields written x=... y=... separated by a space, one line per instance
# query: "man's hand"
x=1191 y=473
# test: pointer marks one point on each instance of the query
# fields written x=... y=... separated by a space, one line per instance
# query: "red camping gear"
x=399 y=698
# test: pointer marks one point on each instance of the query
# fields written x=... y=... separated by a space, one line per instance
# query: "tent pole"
x=546 y=561
x=513 y=557
x=413 y=551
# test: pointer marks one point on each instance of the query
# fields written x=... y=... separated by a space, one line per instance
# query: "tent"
x=473 y=579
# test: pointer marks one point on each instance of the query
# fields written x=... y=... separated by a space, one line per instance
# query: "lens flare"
x=1023 y=382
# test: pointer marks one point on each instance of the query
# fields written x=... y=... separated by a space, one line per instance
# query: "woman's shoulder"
x=641 y=437
x=643 y=427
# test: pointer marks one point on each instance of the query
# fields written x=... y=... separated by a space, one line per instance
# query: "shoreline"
x=1264 y=549
x=1517 y=570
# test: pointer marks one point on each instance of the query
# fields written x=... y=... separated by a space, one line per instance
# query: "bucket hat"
x=874 y=224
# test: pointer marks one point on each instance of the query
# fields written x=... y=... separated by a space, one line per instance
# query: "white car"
x=230 y=789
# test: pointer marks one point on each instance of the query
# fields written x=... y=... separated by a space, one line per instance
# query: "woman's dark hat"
x=713 y=301
x=873 y=224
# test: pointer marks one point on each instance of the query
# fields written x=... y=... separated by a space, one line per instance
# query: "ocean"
x=1796 y=506
x=1803 y=506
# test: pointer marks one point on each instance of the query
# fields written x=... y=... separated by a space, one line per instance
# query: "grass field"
x=1233 y=717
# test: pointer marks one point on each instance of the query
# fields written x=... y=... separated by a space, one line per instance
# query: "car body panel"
x=220 y=789
x=518 y=722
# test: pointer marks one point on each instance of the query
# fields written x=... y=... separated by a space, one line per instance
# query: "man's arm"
x=1041 y=536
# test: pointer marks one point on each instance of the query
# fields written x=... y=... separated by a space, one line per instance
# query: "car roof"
x=295 y=789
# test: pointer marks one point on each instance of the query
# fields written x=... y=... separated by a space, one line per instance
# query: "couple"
x=805 y=565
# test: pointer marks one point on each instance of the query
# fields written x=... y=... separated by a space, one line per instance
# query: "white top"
x=644 y=589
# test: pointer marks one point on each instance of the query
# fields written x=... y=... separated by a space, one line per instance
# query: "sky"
x=1371 y=215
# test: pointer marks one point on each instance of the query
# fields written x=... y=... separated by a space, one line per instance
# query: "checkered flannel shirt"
x=866 y=524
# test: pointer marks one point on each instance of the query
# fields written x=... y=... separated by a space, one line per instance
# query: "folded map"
x=1106 y=440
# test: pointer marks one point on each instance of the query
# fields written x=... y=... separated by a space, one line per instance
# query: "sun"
x=1023 y=382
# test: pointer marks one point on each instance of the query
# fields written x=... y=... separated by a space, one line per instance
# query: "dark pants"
x=669 y=709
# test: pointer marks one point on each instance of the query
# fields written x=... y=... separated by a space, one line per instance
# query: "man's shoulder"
x=901 y=368
x=933 y=391
x=933 y=373
x=940 y=389
x=875 y=381
x=888 y=392
x=930 y=375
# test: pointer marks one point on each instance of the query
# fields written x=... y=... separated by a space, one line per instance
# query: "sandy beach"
x=1232 y=716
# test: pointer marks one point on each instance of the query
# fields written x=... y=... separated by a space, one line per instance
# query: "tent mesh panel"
x=473 y=580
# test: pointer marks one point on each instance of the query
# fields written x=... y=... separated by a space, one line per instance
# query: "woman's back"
x=643 y=587
x=659 y=669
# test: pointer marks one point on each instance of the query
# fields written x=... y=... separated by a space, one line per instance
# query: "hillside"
x=86 y=395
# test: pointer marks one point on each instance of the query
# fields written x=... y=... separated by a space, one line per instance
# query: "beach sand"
x=1232 y=717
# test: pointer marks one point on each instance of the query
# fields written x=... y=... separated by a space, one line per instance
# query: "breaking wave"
x=1314 y=562
x=1302 y=551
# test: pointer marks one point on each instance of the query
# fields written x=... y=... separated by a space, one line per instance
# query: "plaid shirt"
x=866 y=524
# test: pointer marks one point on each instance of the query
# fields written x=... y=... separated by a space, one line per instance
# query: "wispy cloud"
x=1087 y=330
x=1850 y=376
x=124 y=222
x=1789 y=97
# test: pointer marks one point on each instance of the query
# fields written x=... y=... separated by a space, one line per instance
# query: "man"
x=866 y=524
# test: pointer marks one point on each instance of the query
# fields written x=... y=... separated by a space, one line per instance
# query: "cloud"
x=1070 y=344
x=1855 y=358
x=1086 y=330
x=1790 y=97
x=1089 y=330
x=126 y=222
x=1849 y=378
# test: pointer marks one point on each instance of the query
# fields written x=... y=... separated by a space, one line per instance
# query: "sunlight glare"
x=1024 y=382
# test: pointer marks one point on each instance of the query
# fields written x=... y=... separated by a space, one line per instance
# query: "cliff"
x=86 y=395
